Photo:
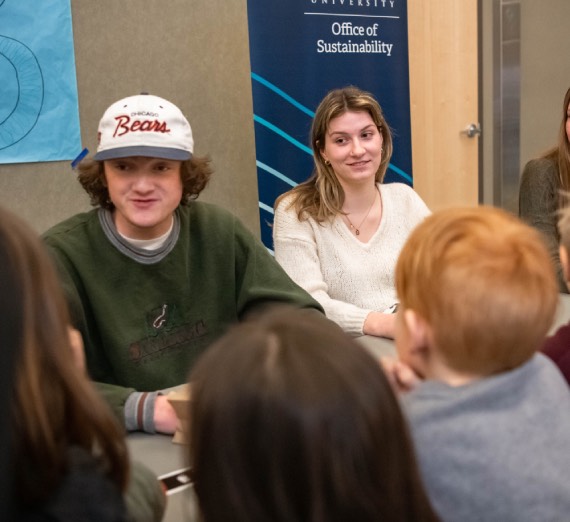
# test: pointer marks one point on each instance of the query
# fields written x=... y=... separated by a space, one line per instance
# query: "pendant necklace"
x=357 y=229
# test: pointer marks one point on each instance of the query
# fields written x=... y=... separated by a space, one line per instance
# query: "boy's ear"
x=564 y=262
x=418 y=330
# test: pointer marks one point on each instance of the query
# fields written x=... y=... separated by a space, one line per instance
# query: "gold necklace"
x=357 y=229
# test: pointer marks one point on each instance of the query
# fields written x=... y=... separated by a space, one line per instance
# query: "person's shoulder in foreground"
x=557 y=346
x=153 y=277
x=491 y=418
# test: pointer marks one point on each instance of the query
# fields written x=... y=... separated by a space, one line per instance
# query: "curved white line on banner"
x=265 y=207
x=283 y=134
x=283 y=94
x=400 y=172
x=275 y=173
x=30 y=97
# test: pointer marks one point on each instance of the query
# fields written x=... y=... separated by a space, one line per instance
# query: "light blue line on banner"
x=275 y=173
x=281 y=133
x=283 y=94
x=265 y=207
x=400 y=172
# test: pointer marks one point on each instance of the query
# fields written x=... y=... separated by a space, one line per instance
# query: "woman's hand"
x=380 y=325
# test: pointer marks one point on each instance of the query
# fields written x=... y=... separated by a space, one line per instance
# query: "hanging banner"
x=301 y=49
x=39 y=116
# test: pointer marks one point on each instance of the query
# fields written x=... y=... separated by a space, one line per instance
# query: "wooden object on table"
x=180 y=399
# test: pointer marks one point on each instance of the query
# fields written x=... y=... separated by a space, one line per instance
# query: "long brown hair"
x=290 y=419
x=54 y=406
x=560 y=153
x=195 y=174
x=321 y=196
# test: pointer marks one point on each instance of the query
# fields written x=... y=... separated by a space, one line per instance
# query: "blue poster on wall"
x=301 y=49
x=39 y=117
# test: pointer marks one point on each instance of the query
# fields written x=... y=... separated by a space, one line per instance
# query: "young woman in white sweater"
x=338 y=234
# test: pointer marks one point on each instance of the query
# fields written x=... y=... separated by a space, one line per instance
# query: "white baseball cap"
x=144 y=125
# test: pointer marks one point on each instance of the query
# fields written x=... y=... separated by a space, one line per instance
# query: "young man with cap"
x=152 y=276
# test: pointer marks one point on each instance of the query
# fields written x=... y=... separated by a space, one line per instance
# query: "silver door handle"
x=472 y=130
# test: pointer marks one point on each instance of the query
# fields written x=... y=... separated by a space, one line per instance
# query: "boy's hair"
x=484 y=282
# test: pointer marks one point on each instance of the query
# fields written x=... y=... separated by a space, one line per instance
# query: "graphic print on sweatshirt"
x=165 y=332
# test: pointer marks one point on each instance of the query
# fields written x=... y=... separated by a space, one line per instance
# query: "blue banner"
x=301 y=49
x=39 y=116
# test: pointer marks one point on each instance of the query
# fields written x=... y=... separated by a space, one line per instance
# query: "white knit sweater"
x=348 y=278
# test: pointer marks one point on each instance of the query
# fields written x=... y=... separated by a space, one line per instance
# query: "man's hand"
x=165 y=419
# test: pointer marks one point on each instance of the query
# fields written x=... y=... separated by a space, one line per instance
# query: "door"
x=442 y=37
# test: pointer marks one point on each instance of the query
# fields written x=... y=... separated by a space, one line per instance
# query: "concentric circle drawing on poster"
x=22 y=91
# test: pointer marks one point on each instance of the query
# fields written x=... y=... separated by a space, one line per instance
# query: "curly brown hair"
x=195 y=174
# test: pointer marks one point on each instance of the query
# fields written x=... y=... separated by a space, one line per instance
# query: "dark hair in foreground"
x=53 y=405
x=291 y=420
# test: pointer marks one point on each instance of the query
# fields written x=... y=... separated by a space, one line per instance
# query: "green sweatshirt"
x=147 y=316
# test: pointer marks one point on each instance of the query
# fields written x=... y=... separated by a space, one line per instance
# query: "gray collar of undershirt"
x=140 y=255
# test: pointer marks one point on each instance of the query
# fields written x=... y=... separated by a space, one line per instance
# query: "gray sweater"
x=539 y=196
x=496 y=449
